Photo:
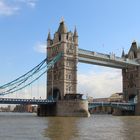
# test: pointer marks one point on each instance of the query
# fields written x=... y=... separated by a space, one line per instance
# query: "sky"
x=103 y=26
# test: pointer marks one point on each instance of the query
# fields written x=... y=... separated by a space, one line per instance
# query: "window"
x=59 y=75
x=59 y=37
x=68 y=63
x=69 y=76
x=71 y=47
x=66 y=76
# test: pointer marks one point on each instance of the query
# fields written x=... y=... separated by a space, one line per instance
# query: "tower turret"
x=75 y=36
x=123 y=54
x=62 y=31
x=49 y=40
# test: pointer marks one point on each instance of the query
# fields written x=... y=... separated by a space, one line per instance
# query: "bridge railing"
x=120 y=105
x=26 y=101
x=110 y=56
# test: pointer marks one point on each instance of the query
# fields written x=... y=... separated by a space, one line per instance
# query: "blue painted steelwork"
x=119 y=105
x=30 y=77
x=26 y=101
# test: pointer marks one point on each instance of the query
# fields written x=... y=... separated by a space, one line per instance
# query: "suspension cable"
x=16 y=80
x=17 y=83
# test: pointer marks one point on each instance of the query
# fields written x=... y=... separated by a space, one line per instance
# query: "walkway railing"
x=110 y=60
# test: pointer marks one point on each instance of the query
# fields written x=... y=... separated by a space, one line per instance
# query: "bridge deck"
x=120 y=105
x=123 y=106
x=25 y=101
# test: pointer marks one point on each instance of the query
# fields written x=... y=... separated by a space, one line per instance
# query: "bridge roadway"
x=123 y=106
x=86 y=56
x=120 y=105
x=26 y=101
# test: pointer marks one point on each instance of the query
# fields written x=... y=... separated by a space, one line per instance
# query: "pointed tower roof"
x=133 y=46
x=134 y=41
x=62 y=27
x=75 y=32
x=123 y=54
x=49 y=36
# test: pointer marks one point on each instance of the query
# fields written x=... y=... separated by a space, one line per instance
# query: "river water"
x=25 y=126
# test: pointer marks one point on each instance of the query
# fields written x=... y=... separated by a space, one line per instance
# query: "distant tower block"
x=62 y=79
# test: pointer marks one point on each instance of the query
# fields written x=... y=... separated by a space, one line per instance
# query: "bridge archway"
x=133 y=98
x=56 y=94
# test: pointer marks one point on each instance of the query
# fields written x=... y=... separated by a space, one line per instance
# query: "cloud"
x=100 y=84
x=40 y=47
x=11 y=7
x=6 y=9
x=31 y=3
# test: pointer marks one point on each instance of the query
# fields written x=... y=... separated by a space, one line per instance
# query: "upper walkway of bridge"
x=109 y=60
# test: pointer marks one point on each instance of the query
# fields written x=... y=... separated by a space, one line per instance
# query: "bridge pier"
x=73 y=108
x=46 y=110
x=118 y=112
x=65 y=108
x=137 y=109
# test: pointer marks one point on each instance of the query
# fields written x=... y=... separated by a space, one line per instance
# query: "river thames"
x=25 y=126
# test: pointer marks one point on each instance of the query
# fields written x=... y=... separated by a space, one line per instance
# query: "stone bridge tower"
x=131 y=77
x=62 y=78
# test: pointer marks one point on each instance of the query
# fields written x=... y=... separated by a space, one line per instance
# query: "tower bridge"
x=60 y=65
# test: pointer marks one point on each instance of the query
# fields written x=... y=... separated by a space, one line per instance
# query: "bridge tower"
x=62 y=78
x=131 y=77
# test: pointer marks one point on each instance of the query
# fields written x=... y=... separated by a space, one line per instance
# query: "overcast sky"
x=103 y=26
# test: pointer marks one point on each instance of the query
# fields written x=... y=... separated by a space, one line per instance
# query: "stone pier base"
x=118 y=112
x=46 y=110
x=73 y=108
x=137 y=109
x=65 y=108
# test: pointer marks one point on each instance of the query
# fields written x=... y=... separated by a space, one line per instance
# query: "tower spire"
x=123 y=54
x=62 y=27
x=49 y=36
x=75 y=32
x=62 y=19
x=75 y=36
x=49 y=39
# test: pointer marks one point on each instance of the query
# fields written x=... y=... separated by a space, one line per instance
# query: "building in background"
x=116 y=97
x=25 y=108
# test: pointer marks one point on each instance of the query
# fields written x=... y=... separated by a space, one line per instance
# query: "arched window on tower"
x=59 y=37
x=131 y=55
x=69 y=76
